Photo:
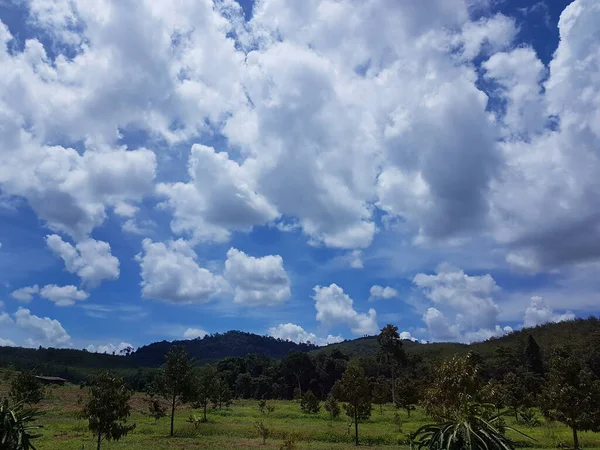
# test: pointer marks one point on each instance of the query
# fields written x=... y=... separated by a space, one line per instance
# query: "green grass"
x=234 y=428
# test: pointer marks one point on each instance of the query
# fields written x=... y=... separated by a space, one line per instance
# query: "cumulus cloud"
x=170 y=273
x=41 y=331
x=110 y=348
x=539 y=313
x=91 y=260
x=25 y=294
x=193 y=333
x=387 y=292
x=462 y=303
x=7 y=343
x=63 y=295
x=295 y=333
x=408 y=336
x=257 y=281
x=334 y=307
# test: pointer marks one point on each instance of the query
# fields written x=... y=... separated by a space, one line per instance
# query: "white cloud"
x=41 y=331
x=488 y=34
x=170 y=273
x=193 y=333
x=295 y=333
x=408 y=336
x=7 y=343
x=109 y=348
x=539 y=313
x=257 y=281
x=335 y=307
x=486 y=333
x=63 y=295
x=25 y=294
x=387 y=292
x=91 y=260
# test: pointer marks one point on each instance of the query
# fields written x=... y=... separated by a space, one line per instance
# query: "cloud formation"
x=295 y=333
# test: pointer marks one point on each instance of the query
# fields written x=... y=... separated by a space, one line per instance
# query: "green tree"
x=354 y=389
x=174 y=380
x=205 y=385
x=26 y=388
x=309 y=403
x=391 y=352
x=221 y=394
x=407 y=394
x=533 y=357
x=456 y=383
x=381 y=392
x=332 y=406
x=107 y=408
x=515 y=393
x=156 y=409
x=16 y=430
x=571 y=394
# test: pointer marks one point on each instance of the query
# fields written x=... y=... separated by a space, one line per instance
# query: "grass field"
x=234 y=428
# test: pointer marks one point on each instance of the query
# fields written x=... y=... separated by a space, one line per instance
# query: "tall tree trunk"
x=99 y=440
x=575 y=439
x=355 y=426
x=173 y=413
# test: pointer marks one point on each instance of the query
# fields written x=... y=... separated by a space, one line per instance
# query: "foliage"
x=471 y=429
x=571 y=394
x=381 y=392
x=515 y=393
x=195 y=420
x=174 y=381
x=457 y=382
x=309 y=403
x=26 y=388
x=407 y=394
x=391 y=352
x=221 y=395
x=533 y=357
x=397 y=421
x=354 y=389
x=289 y=442
x=16 y=430
x=262 y=430
x=204 y=386
x=107 y=408
x=265 y=407
x=332 y=406
x=529 y=417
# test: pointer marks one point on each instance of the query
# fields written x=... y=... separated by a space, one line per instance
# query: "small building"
x=52 y=380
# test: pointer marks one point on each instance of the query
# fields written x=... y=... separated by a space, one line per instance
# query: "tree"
x=174 y=380
x=533 y=357
x=15 y=426
x=391 y=352
x=262 y=430
x=26 y=388
x=332 y=407
x=156 y=409
x=514 y=393
x=456 y=383
x=407 y=394
x=309 y=403
x=354 y=389
x=204 y=389
x=221 y=394
x=381 y=392
x=107 y=408
x=297 y=364
x=571 y=394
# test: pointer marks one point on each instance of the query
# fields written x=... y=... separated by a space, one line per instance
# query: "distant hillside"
x=220 y=345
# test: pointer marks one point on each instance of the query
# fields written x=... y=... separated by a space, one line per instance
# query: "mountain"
x=217 y=346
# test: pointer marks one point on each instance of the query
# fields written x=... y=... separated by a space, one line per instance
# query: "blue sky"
x=308 y=170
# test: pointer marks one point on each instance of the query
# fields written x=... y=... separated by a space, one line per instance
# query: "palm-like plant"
x=474 y=428
x=16 y=430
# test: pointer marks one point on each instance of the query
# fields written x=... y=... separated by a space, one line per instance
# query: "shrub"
x=264 y=407
x=289 y=442
x=309 y=403
x=529 y=417
x=262 y=430
x=26 y=388
x=332 y=406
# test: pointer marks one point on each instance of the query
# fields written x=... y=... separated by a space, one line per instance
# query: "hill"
x=220 y=345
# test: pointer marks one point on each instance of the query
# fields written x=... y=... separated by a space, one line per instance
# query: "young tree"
x=572 y=394
x=309 y=403
x=156 y=408
x=354 y=389
x=26 y=388
x=457 y=382
x=332 y=407
x=204 y=389
x=381 y=392
x=221 y=394
x=391 y=352
x=407 y=394
x=174 y=380
x=107 y=408
x=515 y=393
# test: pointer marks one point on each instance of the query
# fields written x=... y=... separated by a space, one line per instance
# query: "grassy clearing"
x=234 y=428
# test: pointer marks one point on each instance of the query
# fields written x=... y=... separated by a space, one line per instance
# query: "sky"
x=307 y=170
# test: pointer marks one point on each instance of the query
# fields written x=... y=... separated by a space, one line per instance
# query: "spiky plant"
x=16 y=430
x=475 y=428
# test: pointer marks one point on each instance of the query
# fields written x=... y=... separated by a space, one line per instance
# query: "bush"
x=332 y=406
x=26 y=388
x=262 y=430
x=264 y=407
x=289 y=442
x=529 y=417
x=309 y=403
